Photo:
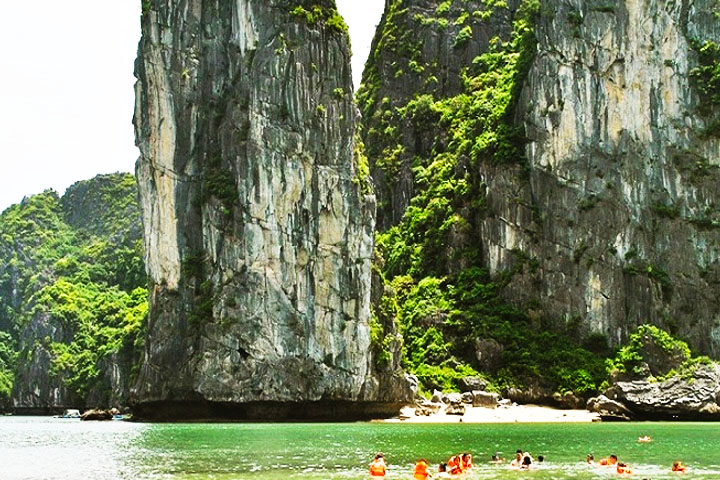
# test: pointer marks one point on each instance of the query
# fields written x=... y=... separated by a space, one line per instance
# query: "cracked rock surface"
x=258 y=233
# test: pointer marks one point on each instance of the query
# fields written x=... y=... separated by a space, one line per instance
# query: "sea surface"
x=47 y=448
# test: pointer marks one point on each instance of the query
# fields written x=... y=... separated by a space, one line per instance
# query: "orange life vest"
x=679 y=468
x=624 y=470
x=455 y=466
x=421 y=470
x=467 y=464
x=377 y=469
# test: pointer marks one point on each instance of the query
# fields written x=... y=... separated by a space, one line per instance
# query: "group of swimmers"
x=625 y=469
x=611 y=461
x=455 y=466
x=522 y=460
x=462 y=463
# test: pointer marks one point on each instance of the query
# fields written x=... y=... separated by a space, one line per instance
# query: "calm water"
x=44 y=448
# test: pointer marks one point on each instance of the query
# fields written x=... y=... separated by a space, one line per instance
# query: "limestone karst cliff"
x=624 y=159
x=258 y=221
x=552 y=167
x=73 y=296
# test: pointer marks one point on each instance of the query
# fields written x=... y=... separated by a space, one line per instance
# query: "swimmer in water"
x=679 y=467
x=496 y=458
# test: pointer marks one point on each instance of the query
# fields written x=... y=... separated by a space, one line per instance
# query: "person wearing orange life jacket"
x=454 y=465
x=421 y=470
x=377 y=467
x=624 y=468
x=467 y=461
x=679 y=467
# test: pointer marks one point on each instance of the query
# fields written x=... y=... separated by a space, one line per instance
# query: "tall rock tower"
x=258 y=227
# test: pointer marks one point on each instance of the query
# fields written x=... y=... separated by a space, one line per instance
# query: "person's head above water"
x=379 y=455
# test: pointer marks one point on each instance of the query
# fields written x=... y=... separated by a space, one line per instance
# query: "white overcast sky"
x=66 y=88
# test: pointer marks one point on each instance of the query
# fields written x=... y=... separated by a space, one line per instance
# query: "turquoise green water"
x=42 y=448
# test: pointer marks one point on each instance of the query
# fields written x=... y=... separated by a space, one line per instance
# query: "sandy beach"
x=503 y=414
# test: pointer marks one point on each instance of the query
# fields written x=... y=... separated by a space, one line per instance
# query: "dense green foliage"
x=653 y=352
x=706 y=79
x=314 y=14
x=442 y=299
x=72 y=282
x=8 y=357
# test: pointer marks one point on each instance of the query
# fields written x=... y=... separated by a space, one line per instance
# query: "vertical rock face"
x=624 y=170
x=418 y=50
x=617 y=208
x=258 y=233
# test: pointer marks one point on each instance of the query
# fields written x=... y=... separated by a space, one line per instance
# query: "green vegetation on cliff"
x=448 y=308
x=314 y=13
x=655 y=354
x=706 y=79
x=72 y=286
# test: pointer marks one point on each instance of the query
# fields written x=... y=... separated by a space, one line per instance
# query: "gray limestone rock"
x=426 y=408
x=469 y=384
x=621 y=173
x=455 y=409
x=452 y=398
x=605 y=406
x=258 y=230
x=532 y=394
x=682 y=397
x=568 y=400
x=485 y=399
x=617 y=206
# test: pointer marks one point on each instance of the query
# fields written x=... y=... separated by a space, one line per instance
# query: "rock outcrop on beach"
x=96 y=414
x=655 y=377
x=258 y=220
x=690 y=396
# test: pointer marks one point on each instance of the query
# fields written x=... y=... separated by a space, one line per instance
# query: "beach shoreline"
x=502 y=414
